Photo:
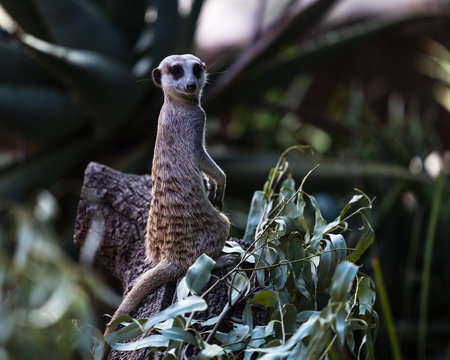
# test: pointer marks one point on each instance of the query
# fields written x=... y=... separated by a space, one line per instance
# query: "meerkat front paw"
x=218 y=202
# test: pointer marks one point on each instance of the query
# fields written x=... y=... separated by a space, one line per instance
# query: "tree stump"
x=110 y=227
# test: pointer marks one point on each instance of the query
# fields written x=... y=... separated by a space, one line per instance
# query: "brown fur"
x=183 y=223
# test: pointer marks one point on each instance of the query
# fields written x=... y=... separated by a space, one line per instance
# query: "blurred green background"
x=365 y=86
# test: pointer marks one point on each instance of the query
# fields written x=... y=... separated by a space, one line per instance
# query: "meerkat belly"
x=183 y=224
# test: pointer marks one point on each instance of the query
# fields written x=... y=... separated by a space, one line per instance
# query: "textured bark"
x=110 y=225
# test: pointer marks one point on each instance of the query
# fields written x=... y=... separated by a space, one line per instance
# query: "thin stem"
x=381 y=289
x=427 y=258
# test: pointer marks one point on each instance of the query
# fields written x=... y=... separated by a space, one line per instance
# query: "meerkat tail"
x=148 y=282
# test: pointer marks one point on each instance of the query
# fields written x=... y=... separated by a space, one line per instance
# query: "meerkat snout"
x=191 y=87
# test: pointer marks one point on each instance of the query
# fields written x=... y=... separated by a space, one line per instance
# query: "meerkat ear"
x=204 y=66
x=156 y=75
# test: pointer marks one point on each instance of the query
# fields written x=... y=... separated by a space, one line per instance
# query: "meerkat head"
x=181 y=76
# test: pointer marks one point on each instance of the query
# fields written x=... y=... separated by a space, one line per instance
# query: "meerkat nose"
x=191 y=86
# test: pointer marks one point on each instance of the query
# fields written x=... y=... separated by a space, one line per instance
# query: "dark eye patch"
x=198 y=70
x=176 y=71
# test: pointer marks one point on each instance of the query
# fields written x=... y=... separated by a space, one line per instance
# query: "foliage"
x=299 y=269
x=46 y=311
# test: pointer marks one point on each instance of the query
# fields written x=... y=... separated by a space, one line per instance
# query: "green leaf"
x=188 y=305
x=279 y=275
x=347 y=207
x=339 y=245
x=257 y=339
x=79 y=24
x=179 y=335
x=152 y=341
x=342 y=281
x=199 y=274
x=319 y=227
x=267 y=298
x=292 y=247
x=362 y=245
x=254 y=215
x=105 y=87
x=366 y=296
x=40 y=114
x=285 y=225
x=327 y=266
x=234 y=339
x=341 y=325
x=289 y=317
x=247 y=316
x=209 y=352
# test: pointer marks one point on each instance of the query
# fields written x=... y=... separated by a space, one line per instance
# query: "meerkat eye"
x=176 y=71
x=197 y=71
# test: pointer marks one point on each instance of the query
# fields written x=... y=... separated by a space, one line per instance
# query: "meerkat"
x=183 y=221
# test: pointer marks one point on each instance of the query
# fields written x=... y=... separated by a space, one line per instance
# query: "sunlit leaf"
x=339 y=245
x=366 y=296
x=254 y=215
x=319 y=227
x=209 y=352
x=233 y=339
x=342 y=280
x=267 y=298
x=199 y=274
x=363 y=244
x=190 y=304
x=327 y=266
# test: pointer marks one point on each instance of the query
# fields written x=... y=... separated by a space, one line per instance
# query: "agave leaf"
x=165 y=36
x=79 y=24
x=40 y=171
x=40 y=114
x=105 y=87
x=26 y=14
x=187 y=26
x=16 y=67
x=306 y=58
x=311 y=54
x=295 y=21
x=127 y=17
